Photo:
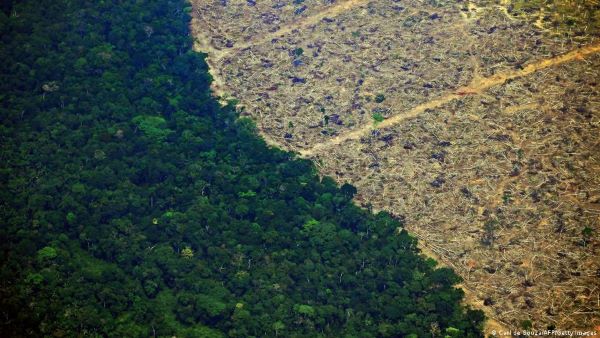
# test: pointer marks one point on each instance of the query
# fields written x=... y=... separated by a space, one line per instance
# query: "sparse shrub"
x=378 y=118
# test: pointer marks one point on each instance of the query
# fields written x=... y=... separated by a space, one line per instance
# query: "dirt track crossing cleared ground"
x=334 y=10
x=476 y=87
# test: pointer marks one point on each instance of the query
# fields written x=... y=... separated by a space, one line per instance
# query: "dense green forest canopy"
x=133 y=205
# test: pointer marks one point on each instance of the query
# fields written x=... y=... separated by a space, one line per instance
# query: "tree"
x=46 y=254
x=155 y=127
x=187 y=253
x=278 y=326
x=209 y=307
x=305 y=310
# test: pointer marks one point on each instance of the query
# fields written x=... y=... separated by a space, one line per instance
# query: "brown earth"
x=476 y=121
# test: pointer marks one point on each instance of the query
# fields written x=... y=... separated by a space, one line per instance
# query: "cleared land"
x=478 y=122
